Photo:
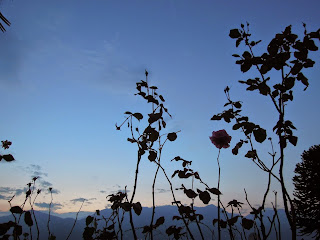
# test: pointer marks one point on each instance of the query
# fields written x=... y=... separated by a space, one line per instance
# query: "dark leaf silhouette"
x=27 y=218
x=16 y=209
x=89 y=220
x=172 y=136
x=234 y=33
x=137 y=208
x=8 y=157
x=138 y=116
x=214 y=191
x=159 y=222
x=260 y=134
x=247 y=223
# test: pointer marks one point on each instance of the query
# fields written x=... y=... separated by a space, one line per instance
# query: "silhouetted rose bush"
x=286 y=54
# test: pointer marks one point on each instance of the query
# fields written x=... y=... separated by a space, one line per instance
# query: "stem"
x=132 y=197
x=219 y=227
x=75 y=221
x=175 y=200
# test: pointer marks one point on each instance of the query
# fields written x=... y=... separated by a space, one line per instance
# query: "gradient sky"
x=68 y=72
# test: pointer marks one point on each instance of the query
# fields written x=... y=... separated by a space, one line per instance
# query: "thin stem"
x=75 y=221
x=219 y=227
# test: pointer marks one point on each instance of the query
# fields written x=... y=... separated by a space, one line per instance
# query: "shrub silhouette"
x=307 y=191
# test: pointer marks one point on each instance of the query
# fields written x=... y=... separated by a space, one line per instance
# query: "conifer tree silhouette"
x=307 y=192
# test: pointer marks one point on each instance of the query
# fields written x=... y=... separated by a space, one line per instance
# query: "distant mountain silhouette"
x=61 y=226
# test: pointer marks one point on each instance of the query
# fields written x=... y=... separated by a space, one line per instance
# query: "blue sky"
x=68 y=73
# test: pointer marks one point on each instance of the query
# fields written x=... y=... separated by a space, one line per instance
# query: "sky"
x=67 y=75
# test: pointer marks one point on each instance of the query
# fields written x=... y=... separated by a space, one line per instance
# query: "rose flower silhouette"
x=220 y=139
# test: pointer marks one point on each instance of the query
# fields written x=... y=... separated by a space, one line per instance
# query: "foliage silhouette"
x=151 y=141
x=307 y=192
x=277 y=57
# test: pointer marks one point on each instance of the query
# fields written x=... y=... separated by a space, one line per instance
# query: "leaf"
x=138 y=116
x=214 y=221
x=233 y=220
x=260 y=134
x=234 y=33
x=251 y=154
x=87 y=233
x=245 y=66
x=89 y=220
x=223 y=224
x=293 y=140
x=8 y=157
x=263 y=88
x=126 y=206
x=172 y=136
x=204 y=196
x=152 y=156
x=127 y=112
x=137 y=208
x=303 y=79
x=161 y=98
x=237 y=104
x=28 y=219
x=159 y=221
x=216 y=117
x=190 y=193
x=16 y=209
x=289 y=83
x=238 y=41
x=214 y=191
x=247 y=223
x=235 y=55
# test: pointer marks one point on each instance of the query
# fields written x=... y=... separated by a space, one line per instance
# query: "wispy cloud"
x=161 y=190
x=54 y=206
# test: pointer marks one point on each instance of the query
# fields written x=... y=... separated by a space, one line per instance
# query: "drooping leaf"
x=137 y=208
x=28 y=219
x=204 y=196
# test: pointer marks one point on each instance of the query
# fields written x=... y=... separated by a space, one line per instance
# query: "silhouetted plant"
x=278 y=57
x=6 y=21
x=7 y=157
x=307 y=192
